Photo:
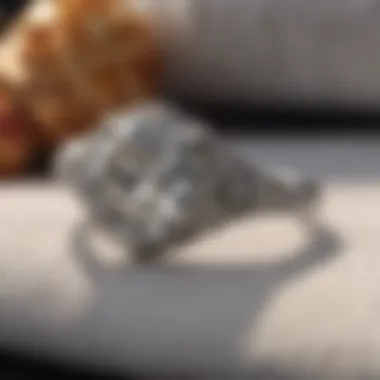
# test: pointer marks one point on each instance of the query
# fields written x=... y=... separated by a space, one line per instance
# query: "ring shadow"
x=186 y=319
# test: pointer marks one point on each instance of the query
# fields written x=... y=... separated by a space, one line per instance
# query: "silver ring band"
x=156 y=177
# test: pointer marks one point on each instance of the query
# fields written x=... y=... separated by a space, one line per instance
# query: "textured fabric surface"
x=321 y=52
x=256 y=297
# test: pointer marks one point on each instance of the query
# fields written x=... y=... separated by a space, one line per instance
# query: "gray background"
x=320 y=53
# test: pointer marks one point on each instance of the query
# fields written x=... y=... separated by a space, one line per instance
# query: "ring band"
x=157 y=177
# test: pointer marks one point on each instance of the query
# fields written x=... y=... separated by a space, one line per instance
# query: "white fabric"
x=316 y=313
x=323 y=52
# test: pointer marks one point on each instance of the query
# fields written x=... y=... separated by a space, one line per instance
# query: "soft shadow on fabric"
x=186 y=318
